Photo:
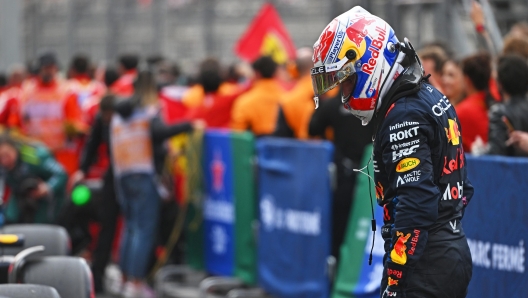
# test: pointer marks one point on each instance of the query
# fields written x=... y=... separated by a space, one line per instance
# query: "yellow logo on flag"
x=273 y=46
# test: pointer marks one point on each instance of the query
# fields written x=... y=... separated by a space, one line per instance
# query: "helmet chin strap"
x=389 y=80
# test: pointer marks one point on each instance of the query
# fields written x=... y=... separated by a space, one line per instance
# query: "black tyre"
x=70 y=276
x=54 y=238
x=28 y=291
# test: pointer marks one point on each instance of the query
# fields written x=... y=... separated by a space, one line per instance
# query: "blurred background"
x=188 y=30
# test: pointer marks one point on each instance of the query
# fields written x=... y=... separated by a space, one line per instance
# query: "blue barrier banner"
x=294 y=206
x=496 y=225
x=219 y=205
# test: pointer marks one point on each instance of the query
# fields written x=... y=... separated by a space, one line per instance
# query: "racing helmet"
x=357 y=50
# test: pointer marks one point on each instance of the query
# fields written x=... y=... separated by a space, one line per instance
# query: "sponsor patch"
x=404 y=134
x=441 y=107
x=397 y=155
x=407 y=164
x=398 y=253
x=453 y=133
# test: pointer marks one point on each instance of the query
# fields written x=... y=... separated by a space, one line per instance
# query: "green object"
x=352 y=250
x=81 y=195
x=244 y=190
x=194 y=239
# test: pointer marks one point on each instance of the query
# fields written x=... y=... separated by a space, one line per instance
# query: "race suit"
x=422 y=184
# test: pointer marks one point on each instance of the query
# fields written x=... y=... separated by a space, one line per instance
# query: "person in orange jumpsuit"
x=219 y=96
x=51 y=114
x=196 y=95
x=88 y=91
x=297 y=105
x=257 y=110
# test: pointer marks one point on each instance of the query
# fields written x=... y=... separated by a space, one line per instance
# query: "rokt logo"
x=404 y=134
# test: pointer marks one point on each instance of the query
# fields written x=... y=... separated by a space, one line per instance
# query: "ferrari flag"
x=266 y=35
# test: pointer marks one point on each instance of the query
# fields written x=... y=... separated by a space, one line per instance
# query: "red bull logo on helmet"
x=356 y=32
x=325 y=41
x=375 y=47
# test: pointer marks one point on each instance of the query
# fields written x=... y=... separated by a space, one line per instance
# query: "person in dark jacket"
x=347 y=157
x=419 y=163
x=511 y=115
x=108 y=208
x=37 y=182
x=137 y=134
x=96 y=146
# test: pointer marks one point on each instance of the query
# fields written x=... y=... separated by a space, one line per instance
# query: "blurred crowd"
x=111 y=123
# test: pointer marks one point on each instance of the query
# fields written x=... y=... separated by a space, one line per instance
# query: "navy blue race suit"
x=422 y=184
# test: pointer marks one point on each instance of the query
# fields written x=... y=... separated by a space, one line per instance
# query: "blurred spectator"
x=433 y=59
x=519 y=30
x=511 y=115
x=137 y=135
x=515 y=36
x=108 y=211
x=32 y=69
x=51 y=113
x=453 y=82
x=3 y=83
x=9 y=99
x=514 y=45
x=479 y=21
x=167 y=73
x=216 y=107
x=36 y=180
x=235 y=77
x=17 y=75
x=350 y=139
x=154 y=61
x=519 y=139
x=473 y=110
x=257 y=110
x=111 y=75
x=127 y=68
x=88 y=91
x=195 y=96
x=444 y=46
x=297 y=105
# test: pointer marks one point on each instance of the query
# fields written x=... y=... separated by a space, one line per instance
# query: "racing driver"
x=419 y=164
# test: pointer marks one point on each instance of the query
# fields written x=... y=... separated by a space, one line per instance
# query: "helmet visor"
x=324 y=80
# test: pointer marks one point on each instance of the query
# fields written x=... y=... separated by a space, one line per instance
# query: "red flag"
x=266 y=35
